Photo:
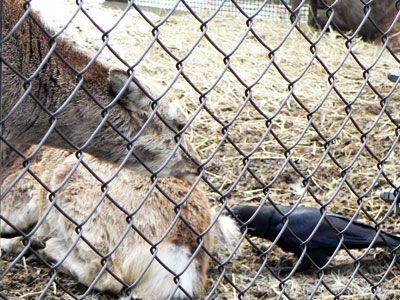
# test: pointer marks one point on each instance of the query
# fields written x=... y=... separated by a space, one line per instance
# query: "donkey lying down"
x=79 y=222
x=121 y=233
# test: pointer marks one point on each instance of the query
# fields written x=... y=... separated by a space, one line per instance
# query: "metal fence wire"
x=273 y=10
x=182 y=152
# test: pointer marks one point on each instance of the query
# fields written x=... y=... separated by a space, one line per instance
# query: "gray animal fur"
x=32 y=93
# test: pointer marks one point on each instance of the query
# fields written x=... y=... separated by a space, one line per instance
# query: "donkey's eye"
x=180 y=126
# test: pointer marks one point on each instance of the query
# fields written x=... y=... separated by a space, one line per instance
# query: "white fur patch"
x=227 y=231
x=158 y=283
x=177 y=259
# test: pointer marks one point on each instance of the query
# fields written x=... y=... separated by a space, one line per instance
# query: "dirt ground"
x=29 y=278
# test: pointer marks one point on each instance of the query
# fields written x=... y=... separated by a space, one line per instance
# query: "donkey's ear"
x=132 y=97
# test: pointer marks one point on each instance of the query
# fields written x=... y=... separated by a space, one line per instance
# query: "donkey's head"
x=157 y=143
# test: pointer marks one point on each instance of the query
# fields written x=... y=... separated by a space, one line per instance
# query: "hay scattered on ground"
x=245 y=126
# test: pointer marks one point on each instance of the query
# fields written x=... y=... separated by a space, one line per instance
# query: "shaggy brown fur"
x=128 y=195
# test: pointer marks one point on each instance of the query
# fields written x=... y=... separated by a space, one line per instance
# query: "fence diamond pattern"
x=279 y=113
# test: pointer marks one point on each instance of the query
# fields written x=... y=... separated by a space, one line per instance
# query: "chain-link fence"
x=273 y=10
x=131 y=137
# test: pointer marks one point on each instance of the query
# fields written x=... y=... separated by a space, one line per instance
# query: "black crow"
x=268 y=223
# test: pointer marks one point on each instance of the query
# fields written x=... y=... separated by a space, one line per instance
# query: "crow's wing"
x=360 y=234
x=304 y=220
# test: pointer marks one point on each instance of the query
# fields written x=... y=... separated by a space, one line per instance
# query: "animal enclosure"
x=280 y=113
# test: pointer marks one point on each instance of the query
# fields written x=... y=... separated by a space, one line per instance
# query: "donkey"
x=54 y=94
x=348 y=15
x=145 y=237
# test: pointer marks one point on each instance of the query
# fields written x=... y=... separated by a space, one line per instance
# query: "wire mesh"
x=109 y=110
x=274 y=11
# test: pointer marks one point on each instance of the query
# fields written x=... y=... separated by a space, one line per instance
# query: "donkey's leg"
x=82 y=263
